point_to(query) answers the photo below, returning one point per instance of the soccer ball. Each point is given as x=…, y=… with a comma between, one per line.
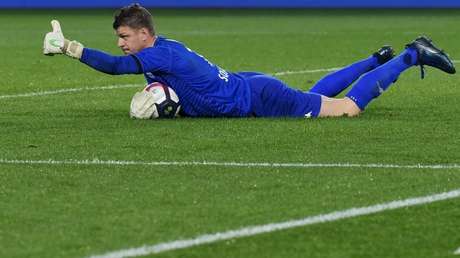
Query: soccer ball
x=155, y=101
x=166, y=100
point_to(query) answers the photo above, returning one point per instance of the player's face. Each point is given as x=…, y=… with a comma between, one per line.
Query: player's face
x=131, y=41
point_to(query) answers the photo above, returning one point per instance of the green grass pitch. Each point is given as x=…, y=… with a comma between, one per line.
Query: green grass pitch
x=81, y=210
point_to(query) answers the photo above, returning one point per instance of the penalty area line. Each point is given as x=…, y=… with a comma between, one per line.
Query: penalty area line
x=272, y=227
x=225, y=164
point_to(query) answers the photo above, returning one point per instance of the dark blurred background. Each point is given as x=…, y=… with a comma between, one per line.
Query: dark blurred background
x=234, y=4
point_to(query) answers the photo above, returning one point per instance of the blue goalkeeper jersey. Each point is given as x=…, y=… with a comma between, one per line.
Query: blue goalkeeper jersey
x=204, y=89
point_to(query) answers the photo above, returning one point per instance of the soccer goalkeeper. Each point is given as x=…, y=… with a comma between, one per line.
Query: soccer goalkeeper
x=205, y=89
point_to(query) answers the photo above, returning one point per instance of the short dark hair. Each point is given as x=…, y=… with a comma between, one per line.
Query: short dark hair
x=134, y=16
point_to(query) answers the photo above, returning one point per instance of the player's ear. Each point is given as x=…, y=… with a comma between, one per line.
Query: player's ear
x=144, y=33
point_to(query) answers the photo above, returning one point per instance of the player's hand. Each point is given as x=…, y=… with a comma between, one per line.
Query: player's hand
x=54, y=41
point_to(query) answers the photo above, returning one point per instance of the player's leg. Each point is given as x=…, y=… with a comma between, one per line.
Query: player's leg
x=374, y=83
x=334, y=83
x=371, y=85
x=336, y=107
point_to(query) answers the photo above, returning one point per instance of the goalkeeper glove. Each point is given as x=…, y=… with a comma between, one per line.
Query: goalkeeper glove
x=55, y=43
x=143, y=106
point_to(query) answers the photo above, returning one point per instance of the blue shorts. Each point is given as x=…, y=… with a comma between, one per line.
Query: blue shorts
x=271, y=97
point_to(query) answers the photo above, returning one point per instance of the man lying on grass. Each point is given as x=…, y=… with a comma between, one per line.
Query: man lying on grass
x=207, y=90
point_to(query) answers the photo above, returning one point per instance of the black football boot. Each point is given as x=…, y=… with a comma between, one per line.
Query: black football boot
x=429, y=54
x=384, y=54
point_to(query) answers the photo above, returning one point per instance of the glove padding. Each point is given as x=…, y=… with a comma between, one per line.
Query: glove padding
x=143, y=106
x=55, y=43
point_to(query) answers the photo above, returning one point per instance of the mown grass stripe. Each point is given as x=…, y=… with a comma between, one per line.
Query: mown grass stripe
x=260, y=229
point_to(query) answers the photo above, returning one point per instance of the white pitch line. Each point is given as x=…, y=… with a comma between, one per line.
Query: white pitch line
x=52, y=92
x=225, y=164
x=320, y=70
x=307, y=71
x=260, y=229
x=111, y=87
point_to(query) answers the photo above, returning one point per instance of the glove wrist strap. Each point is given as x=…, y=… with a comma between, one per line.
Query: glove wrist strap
x=73, y=48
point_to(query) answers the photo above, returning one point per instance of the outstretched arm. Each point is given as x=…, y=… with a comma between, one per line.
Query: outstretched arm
x=55, y=43
x=106, y=63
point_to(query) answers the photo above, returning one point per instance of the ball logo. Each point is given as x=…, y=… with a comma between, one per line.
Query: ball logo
x=168, y=110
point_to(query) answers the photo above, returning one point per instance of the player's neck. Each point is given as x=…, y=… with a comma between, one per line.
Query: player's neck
x=151, y=41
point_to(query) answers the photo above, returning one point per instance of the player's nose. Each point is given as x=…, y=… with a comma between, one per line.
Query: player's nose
x=121, y=42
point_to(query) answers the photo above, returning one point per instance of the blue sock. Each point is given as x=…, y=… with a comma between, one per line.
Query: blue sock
x=373, y=83
x=334, y=83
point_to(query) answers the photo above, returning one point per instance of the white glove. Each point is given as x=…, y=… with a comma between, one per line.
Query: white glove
x=143, y=106
x=55, y=43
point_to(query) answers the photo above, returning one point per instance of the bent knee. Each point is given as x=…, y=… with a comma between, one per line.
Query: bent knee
x=331, y=107
x=350, y=108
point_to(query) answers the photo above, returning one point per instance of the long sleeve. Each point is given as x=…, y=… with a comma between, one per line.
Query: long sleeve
x=109, y=64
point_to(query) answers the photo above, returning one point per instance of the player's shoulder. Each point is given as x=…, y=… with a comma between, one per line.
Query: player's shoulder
x=167, y=41
x=163, y=44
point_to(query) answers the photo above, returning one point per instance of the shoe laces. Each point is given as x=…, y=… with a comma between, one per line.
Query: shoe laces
x=422, y=71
